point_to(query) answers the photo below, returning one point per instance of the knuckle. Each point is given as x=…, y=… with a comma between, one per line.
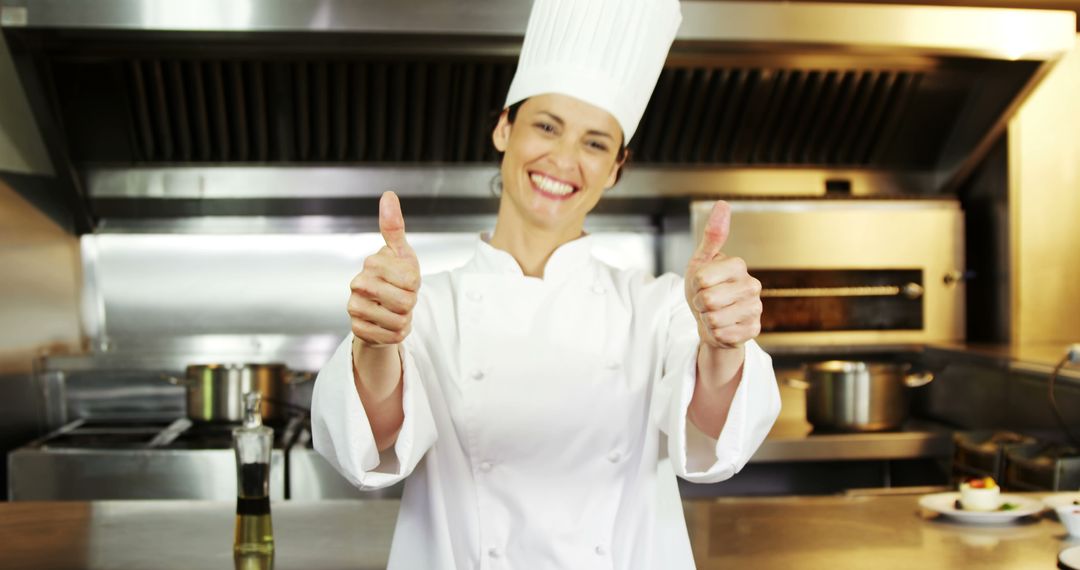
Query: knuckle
x=755, y=328
x=755, y=285
x=713, y=319
x=739, y=264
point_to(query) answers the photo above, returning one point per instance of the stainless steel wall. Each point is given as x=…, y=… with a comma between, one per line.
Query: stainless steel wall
x=290, y=278
x=38, y=312
x=1044, y=204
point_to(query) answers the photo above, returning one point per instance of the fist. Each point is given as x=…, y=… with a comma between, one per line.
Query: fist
x=384, y=293
x=725, y=299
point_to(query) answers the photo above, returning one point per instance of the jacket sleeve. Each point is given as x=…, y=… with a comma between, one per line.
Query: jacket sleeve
x=695, y=456
x=342, y=434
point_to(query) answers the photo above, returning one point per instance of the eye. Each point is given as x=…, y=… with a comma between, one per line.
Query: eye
x=598, y=146
x=545, y=127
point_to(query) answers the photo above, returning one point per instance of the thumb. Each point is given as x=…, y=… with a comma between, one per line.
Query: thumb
x=392, y=224
x=716, y=231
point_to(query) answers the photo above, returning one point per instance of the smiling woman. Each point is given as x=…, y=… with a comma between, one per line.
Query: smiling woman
x=540, y=402
x=559, y=156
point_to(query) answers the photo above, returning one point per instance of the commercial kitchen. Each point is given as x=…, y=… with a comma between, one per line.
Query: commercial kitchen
x=187, y=188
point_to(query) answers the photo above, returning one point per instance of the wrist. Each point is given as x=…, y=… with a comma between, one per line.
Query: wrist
x=722, y=365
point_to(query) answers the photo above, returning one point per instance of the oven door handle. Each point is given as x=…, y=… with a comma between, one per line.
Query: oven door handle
x=909, y=290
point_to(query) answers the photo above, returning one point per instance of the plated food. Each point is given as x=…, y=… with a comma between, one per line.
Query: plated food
x=980, y=501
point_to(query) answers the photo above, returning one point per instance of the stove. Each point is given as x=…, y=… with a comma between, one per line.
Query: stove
x=1017, y=462
x=140, y=459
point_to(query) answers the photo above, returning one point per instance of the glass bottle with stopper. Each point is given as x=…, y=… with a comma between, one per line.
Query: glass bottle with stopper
x=253, y=443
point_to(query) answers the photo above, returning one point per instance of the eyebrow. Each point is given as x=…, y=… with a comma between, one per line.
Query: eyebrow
x=559, y=120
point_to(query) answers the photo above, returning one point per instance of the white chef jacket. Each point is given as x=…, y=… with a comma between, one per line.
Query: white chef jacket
x=545, y=419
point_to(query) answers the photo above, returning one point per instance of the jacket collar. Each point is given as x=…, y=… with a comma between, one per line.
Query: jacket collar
x=567, y=260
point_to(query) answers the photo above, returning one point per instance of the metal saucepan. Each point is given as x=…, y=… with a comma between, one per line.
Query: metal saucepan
x=858, y=396
x=215, y=392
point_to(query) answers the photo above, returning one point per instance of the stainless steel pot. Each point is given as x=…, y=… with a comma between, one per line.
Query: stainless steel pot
x=215, y=392
x=858, y=396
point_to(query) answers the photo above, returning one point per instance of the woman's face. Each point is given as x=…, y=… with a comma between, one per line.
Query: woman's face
x=560, y=154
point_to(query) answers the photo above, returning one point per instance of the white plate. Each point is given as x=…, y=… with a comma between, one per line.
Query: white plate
x=1060, y=500
x=1069, y=558
x=945, y=503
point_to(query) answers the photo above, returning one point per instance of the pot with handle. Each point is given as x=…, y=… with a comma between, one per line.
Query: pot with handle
x=215, y=392
x=856, y=396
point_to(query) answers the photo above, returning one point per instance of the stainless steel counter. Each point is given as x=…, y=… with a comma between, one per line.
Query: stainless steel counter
x=837, y=533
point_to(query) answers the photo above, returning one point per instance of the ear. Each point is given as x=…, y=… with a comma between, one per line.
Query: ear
x=501, y=135
x=613, y=177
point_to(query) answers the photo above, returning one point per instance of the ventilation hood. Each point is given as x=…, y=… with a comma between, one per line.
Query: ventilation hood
x=165, y=108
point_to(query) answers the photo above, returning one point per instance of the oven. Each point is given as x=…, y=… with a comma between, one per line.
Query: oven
x=851, y=273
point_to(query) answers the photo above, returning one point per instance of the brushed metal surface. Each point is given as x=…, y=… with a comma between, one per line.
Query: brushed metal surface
x=839, y=532
x=451, y=181
x=987, y=32
x=262, y=285
x=79, y=475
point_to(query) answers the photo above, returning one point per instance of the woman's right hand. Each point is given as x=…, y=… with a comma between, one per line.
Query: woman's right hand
x=384, y=293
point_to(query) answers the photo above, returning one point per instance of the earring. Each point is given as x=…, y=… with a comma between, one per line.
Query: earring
x=496, y=185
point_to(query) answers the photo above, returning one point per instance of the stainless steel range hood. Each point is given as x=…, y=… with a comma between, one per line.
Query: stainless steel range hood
x=300, y=106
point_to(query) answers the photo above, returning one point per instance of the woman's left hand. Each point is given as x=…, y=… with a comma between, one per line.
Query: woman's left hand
x=725, y=299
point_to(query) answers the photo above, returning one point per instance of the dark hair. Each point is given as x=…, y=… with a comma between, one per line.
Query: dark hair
x=511, y=116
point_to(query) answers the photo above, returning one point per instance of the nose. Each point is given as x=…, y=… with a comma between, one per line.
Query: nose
x=564, y=154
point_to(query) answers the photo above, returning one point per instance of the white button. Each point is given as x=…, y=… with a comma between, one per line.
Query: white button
x=493, y=552
x=614, y=456
x=477, y=374
x=598, y=289
x=474, y=295
x=600, y=550
x=613, y=365
x=485, y=466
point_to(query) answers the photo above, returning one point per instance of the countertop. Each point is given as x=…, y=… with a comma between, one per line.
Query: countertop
x=835, y=533
x=1037, y=359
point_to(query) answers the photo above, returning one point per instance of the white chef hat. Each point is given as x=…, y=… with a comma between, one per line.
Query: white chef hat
x=608, y=53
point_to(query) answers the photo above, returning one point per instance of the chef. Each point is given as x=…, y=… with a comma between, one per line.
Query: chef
x=540, y=402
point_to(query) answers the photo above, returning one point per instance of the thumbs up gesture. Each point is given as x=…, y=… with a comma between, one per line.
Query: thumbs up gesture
x=725, y=299
x=384, y=293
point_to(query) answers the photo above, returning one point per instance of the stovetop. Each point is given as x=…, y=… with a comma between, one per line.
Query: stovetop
x=149, y=434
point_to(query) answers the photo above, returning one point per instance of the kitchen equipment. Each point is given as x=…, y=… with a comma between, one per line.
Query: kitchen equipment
x=106, y=459
x=858, y=396
x=1042, y=466
x=981, y=453
x=109, y=459
x=215, y=391
x=901, y=282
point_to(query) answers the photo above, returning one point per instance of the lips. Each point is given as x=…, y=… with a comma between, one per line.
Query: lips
x=552, y=188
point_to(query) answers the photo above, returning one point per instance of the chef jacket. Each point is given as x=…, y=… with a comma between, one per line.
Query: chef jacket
x=545, y=419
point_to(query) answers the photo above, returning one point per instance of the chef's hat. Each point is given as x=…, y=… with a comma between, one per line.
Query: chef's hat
x=608, y=53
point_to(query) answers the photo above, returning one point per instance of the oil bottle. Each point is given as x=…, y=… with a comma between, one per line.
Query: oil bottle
x=253, y=442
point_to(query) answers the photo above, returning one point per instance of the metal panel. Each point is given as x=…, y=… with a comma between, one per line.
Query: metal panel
x=261, y=183
x=220, y=286
x=71, y=475
x=988, y=32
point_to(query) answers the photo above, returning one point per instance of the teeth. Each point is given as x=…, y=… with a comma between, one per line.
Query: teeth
x=553, y=186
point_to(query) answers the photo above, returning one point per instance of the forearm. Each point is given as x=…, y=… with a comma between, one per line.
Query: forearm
x=377, y=375
x=719, y=371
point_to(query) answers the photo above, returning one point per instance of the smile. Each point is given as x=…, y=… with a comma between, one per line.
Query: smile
x=550, y=187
